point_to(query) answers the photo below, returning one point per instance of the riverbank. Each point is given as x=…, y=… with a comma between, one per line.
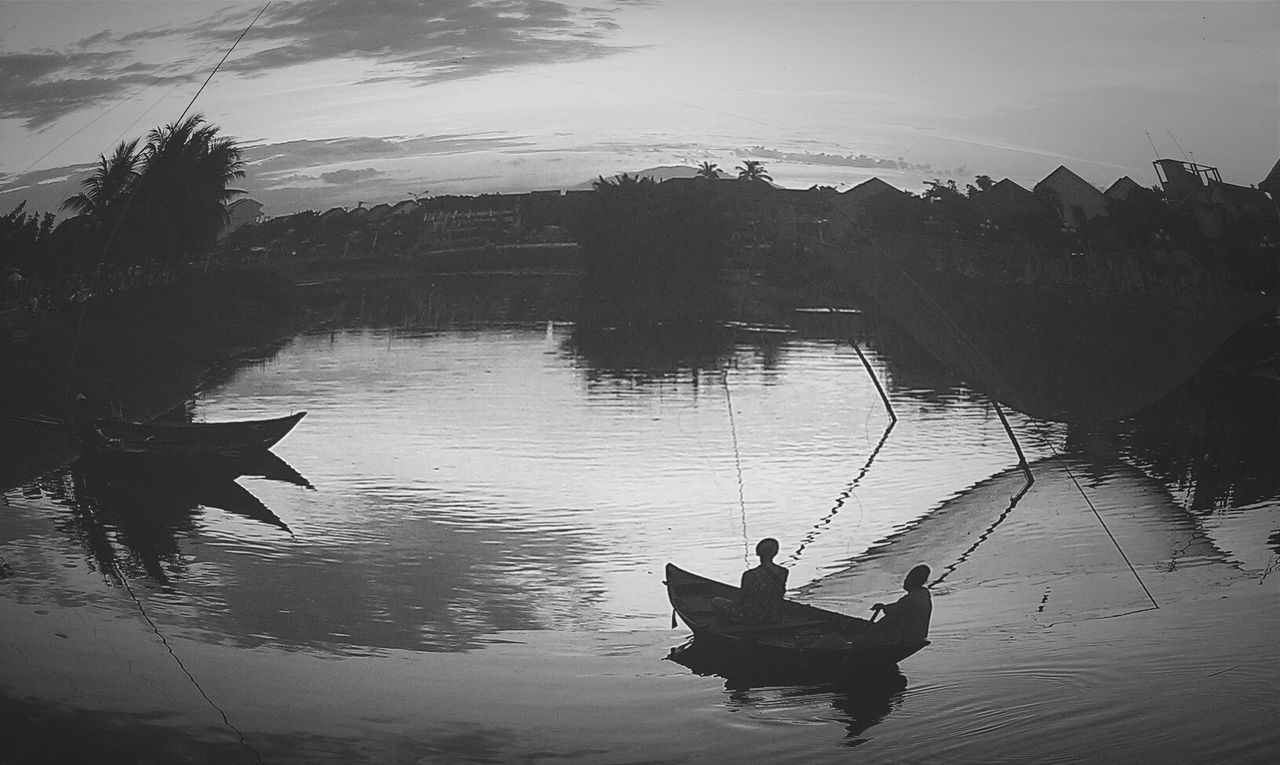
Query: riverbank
x=144, y=350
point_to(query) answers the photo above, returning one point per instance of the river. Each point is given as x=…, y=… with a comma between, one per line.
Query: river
x=459, y=558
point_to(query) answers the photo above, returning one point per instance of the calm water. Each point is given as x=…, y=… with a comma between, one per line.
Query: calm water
x=459, y=558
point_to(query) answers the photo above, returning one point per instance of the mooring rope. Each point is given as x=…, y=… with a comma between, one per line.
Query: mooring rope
x=118, y=575
x=124, y=582
x=737, y=463
x=115, y=567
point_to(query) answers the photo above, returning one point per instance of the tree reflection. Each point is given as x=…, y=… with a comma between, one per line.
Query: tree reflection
x=1215, y=438
x=677, y=351
x=145, y=507
x=645, y=354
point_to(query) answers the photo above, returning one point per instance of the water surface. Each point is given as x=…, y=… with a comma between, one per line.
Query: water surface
x=461, y=557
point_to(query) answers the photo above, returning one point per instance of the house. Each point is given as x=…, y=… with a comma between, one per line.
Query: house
x=406, y=207
x=378, y=212
x=1271, y=185
x=333, y=214
x=1007, y=201
x=1121, y=189
x=1076, y=200
x=855, y=203
x=241, y=212
x=1216, y=207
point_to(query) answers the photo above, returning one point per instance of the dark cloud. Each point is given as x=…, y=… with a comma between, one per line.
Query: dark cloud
x=427, y=41
x=416, y=41
x=41, y=86
x=105, y=36
x=349, y=176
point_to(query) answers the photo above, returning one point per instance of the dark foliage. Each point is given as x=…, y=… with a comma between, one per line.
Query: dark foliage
x=1143, y=217
x=654, y=253
x=24, y=238
x=161, y=203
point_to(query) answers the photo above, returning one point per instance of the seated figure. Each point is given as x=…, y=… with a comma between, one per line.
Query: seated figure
x=763, y=590
x=906, y=621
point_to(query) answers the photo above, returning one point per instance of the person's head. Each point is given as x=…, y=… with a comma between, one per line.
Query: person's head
x=916, y=577
x=767, y=548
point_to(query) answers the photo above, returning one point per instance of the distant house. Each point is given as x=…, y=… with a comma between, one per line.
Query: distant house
x=377, y=213
x=1121, y=189
x=1007, y=201
x=406, y=207
x=1216, y=207
x=856, y=202
x=241, y=212
x=1271, y=186
x=1076, y=200
x=333, y=214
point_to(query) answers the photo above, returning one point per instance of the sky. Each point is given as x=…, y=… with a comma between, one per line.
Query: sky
x=337, y=103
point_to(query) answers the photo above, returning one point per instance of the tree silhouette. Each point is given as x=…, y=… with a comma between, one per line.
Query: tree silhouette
x=183, y=187
x=163, y=202
x=709, y=171
x=753, y=170
x=100, y=232
x=105, y=190
x=623, y=182
x=654, y=253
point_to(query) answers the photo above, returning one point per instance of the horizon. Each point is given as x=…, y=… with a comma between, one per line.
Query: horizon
x=334, y=107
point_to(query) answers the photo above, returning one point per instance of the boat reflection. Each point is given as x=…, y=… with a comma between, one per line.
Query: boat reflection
x=862, y=700
x=145, y=506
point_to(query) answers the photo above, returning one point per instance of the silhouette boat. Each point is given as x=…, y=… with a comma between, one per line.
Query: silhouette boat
x=805, y=638
x=193, y=439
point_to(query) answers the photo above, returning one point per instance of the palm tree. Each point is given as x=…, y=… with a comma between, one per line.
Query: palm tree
x=623, y=182
x=184, y=185
x=104, y=192
x=709, y=170
x=99, y=230
x=753, y=170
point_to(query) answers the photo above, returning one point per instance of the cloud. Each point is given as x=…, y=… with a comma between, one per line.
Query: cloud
x=427, y=41
x=288, y=159
x=413, y=41
x=39, y=87
x=349, y=176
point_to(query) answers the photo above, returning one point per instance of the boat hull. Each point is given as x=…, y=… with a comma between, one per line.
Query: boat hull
x=185, y=440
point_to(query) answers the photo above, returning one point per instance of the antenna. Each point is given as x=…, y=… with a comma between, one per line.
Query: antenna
x=1154, y=150
x=1175, y=143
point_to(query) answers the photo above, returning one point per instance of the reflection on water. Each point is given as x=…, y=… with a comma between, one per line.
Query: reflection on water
x=144, y=506
x=482, y=514
x=860, y=701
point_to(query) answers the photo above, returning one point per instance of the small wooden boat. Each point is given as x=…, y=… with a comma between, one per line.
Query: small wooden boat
x=194, y=439
x=806, y=637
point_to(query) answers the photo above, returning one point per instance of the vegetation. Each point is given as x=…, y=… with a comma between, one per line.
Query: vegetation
x=709, y=170
x=25, y=239
x=753, y=170
x=161, y=203
x=654, y=253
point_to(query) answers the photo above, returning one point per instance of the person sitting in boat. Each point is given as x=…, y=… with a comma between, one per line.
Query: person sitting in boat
x=906, y=621
x=763, y=590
